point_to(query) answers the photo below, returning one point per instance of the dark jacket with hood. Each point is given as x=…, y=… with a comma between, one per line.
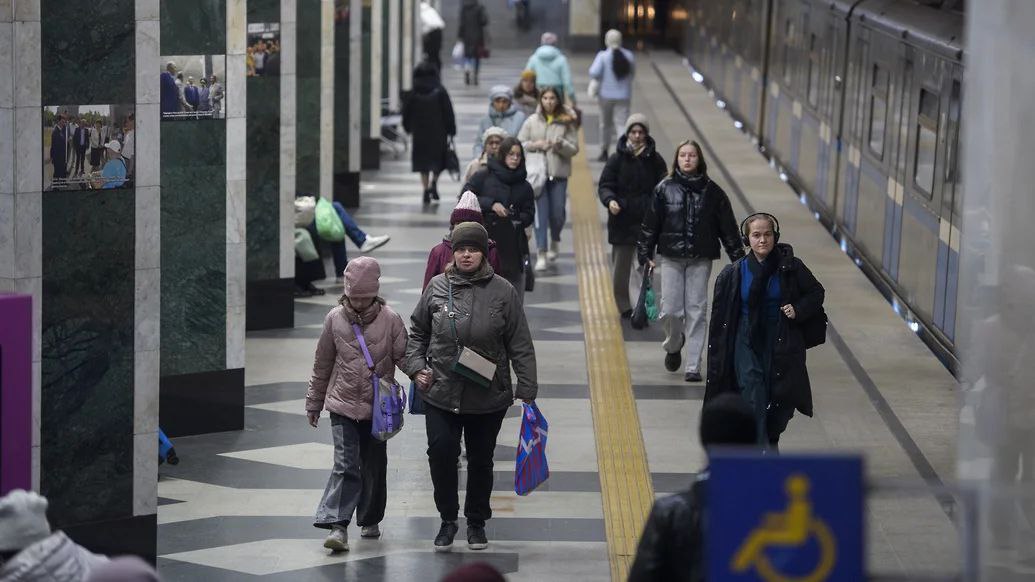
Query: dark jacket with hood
x=428, y=117
x=490, y=321
x=629, y=180
x=498, y=183
x=687, y=218
x=473, y=20
x=789, y=380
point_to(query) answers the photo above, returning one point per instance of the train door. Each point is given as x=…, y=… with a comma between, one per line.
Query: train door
x=808, y=109
x=856, y=105
x=831, y=107
x=951, y=217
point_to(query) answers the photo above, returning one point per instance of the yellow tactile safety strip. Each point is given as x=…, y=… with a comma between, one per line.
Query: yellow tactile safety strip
x=625, y=485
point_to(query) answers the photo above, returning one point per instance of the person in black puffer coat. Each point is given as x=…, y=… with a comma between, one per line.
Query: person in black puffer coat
x=508, y=205
x=689, y=217
x=428, y=116
x=756, y=344
x=625, y=187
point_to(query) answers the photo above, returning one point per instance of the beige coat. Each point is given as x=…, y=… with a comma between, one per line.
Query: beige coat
x=341, y=381
x=558, y=159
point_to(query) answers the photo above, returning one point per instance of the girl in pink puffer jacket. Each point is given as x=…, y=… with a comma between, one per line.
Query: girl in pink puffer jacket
x=342, y=384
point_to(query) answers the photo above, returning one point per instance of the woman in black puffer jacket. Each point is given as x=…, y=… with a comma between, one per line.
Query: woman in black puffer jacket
x=689, y=217
x=508, y=205
x=625, y=188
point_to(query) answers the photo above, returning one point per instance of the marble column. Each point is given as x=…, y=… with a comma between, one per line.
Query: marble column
x=995, y=331
x=288, y=122
x=410, y=19
x=584, y=25
x=346, y=101
x=203, y=191
x=270, y=296
x=372, y=57
x=395, y=70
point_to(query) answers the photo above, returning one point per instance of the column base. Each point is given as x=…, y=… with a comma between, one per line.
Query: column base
x=346, y=189
x=137, y=535
x=271, y=304
x=370, y=158
x=201, y=403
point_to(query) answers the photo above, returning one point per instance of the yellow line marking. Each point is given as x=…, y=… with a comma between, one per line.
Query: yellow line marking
x=625, y=485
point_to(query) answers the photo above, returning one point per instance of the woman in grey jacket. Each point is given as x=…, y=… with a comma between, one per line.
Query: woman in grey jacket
x=468, y=307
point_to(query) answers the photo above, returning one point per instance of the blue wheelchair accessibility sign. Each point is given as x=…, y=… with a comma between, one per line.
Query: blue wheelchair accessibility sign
x=785, y=518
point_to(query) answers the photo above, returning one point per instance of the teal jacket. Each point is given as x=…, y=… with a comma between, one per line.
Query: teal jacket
x=552, y=70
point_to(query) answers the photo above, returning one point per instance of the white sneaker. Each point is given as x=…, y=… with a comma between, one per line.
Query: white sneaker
x=540, y=262
x=337, y=540
x=374, y=242
x=551, y=255
x=370, y=531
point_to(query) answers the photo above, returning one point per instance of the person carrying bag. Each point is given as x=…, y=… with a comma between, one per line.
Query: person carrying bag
x=363, y=340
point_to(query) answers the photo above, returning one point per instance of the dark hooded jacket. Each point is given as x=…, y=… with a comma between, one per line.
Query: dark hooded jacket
x=789, y=381
x=498, y=183
x=687, y=218
x=490, y=321
x=428, y=117
x=629, y=180
x=473, y=20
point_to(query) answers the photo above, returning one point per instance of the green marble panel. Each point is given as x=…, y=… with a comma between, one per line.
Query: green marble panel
x=88, y=52
x=263, y=144
x=193, y=247
x=342, y=80
x=307, y=95
x=86, y=431
x=385, y=44
x=263, y=10
x=364, y=118
x=193, y=27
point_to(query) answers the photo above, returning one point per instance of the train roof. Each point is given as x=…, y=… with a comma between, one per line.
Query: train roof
x=932, y=29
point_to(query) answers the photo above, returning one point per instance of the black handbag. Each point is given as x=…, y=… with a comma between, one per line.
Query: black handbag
x=640, y=319
x=450, y=161
x=814, y=329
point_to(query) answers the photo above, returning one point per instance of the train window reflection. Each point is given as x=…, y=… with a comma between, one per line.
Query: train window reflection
x=926, y=141
x=788, y=39
x=952, y=157
x=878, y=109
x=812, y=92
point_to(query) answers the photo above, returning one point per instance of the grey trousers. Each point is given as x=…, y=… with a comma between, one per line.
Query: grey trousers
x=621, y=262
x=357, y=483
x=684, y=306
x=613, y=115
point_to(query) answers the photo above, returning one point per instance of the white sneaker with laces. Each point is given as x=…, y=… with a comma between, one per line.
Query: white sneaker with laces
x=540, y=263
x=337, y=540
x=370, y=531
x=374, y=242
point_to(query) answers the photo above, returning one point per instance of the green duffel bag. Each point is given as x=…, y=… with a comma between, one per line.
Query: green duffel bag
x=304, y=246
x=328, y=223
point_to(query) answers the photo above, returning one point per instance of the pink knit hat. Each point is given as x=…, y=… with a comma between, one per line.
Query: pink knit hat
x=467, y=210
x=361, y=278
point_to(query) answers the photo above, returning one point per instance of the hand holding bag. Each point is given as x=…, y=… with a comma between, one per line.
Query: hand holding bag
x=641, y=313
x=415, y=402
x=458, y=54
x=469, y=363
x=531, y=469
x=389, y=400
x=450, y=161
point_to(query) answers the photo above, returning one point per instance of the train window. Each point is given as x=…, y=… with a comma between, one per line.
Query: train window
x=812, y=91
x=878, y=109
x=926, y=141
x=952, y=156
x=788, y=40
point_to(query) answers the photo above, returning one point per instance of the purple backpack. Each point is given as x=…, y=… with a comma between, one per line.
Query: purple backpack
x=389, y=400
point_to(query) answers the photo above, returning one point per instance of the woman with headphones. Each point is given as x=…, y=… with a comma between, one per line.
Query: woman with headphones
x=762, y=307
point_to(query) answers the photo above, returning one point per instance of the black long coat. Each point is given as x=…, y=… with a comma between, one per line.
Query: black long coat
x=473, y=21
x=498, y=183
x=428, y=117
x=789, y=379
x=629, y=180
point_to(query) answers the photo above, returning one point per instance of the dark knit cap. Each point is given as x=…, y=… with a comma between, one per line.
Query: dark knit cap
x=470, y=234
x=727, y=420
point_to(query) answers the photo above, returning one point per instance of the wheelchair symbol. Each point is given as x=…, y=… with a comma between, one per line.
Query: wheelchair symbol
x=791, y=528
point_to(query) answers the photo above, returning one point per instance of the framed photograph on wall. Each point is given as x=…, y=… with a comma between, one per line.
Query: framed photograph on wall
x=263, y=56
x=88, y=147
x=193, y=87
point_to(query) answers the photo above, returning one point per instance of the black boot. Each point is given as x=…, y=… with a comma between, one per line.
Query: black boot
x=603, y=155
x=427, y=195
x=434, y=191
x=467, y=77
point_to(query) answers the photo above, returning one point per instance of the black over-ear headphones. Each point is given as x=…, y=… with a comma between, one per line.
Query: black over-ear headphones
x=744, y=226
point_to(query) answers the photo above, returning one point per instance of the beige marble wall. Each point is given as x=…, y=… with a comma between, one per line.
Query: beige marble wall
x=584, y=17
x=326, y=99
x=355, y=89
x=394, y=50
x=236, y=177
x=377, y=15
x=410, y=10
x=288, y=104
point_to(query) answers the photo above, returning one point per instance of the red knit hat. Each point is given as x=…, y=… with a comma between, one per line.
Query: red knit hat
x=467, y=210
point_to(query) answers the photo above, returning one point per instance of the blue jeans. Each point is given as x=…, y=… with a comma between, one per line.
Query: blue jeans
x=353, y=232
x=550, y=211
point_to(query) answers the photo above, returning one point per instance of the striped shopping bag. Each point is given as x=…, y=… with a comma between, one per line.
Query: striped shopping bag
x=531, y=469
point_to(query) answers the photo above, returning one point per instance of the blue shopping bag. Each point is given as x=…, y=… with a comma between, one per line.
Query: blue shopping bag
x=531, y=469
x=166, y=452
x=416, y=403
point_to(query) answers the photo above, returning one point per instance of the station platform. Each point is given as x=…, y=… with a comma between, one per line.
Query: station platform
x=239, y=504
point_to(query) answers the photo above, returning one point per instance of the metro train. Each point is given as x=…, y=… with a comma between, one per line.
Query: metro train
x=858, y=103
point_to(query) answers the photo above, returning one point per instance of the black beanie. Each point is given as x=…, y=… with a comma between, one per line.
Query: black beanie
x=727, y=420
x=470, y=234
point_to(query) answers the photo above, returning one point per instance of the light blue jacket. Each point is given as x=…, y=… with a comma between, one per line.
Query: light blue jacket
x=510, y=121
x=551, y=70
x=611, y=87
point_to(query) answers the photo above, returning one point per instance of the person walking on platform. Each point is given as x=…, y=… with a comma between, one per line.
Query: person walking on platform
x=466, y=333
x=551, y=68
x=502, y=113
x=553, y=131
x=625, y=188
x=431, y=26
x=441, y=256
x=342, y=383
x=428, y=117
x=508, y=205
x=687, y=219
x=756, y=346
x=491, y=139
x=526, y=94
x=473, y=20
x=613, y=69
x=672, y=546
